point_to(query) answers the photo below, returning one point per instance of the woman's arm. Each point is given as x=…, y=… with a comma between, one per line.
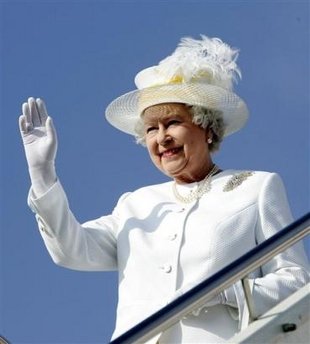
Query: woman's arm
x=283, y=274
x=289, y=270
x=91, y=246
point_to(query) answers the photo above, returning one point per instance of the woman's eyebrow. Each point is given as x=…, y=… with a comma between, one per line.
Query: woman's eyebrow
x=155, y=119
x=149, y=122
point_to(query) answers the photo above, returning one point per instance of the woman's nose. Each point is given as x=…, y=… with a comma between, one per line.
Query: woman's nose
x=163, y=136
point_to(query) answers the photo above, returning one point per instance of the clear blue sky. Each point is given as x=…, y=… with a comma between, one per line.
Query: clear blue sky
x=78, y=56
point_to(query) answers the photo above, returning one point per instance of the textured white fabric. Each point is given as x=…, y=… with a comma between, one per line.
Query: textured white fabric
x=160, y=246
x=125, y=111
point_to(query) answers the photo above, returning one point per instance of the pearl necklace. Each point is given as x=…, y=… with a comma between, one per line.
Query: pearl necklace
x=205, y=186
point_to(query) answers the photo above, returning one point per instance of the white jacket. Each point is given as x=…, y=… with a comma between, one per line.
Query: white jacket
x=160, y=246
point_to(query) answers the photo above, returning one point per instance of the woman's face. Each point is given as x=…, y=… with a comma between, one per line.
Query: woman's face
x=176, y=145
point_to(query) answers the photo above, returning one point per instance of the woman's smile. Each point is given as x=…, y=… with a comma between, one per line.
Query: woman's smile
x=171, y=153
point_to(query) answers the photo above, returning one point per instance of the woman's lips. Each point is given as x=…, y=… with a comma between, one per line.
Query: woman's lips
x=170, y=152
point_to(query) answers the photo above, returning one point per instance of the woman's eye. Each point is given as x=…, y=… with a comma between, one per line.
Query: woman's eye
x=174, y=121
x=150, y=129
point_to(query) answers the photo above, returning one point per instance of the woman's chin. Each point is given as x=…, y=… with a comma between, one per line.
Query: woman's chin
x=179, y=175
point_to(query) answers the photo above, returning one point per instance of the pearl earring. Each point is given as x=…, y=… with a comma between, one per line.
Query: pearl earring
x=209, y=140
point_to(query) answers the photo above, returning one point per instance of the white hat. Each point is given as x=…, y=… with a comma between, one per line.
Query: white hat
x=199, y=72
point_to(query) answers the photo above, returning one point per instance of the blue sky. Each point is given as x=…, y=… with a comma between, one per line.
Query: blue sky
x=80, y=55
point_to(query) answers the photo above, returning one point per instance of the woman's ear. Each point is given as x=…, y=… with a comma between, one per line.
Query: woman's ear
x=209, y=136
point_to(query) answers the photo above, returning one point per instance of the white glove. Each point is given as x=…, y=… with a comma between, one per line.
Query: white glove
x=40, y=143
x=218, y=299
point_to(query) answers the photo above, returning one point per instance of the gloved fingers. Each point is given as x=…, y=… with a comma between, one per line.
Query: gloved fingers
x=28, y=125
x=22, y=125
x=34, y=113
x=41, y=110
x=50, y=130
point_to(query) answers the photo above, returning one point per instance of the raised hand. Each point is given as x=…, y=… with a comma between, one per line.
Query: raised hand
x=40, y=143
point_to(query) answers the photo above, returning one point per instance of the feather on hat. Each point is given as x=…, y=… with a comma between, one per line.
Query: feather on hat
x=199, y=72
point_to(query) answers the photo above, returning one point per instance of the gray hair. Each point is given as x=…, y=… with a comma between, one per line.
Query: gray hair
x=204, y=118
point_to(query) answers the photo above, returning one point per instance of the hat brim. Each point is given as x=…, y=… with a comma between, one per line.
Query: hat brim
x=125, y=111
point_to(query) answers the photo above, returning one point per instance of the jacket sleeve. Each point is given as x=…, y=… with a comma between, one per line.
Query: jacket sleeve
x=286, y=272
x=90, y=246
x=289, y=270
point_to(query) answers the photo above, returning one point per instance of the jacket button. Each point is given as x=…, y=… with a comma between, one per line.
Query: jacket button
x=166, y=268
x=42, y=226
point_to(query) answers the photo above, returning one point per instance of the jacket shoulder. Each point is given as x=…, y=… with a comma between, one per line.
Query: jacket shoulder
x=251, y=180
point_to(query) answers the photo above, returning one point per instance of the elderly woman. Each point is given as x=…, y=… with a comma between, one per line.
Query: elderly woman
x=163, y=239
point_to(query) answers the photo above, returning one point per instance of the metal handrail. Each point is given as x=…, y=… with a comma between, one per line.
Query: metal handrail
x=235, y=271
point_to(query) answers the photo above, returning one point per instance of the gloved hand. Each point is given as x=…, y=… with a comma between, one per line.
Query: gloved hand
x=40, y=143
x=218, y=299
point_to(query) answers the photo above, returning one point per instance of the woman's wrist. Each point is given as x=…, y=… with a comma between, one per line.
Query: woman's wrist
x=42, y=178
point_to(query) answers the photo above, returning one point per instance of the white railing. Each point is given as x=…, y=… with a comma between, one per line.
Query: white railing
x=237, y=270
